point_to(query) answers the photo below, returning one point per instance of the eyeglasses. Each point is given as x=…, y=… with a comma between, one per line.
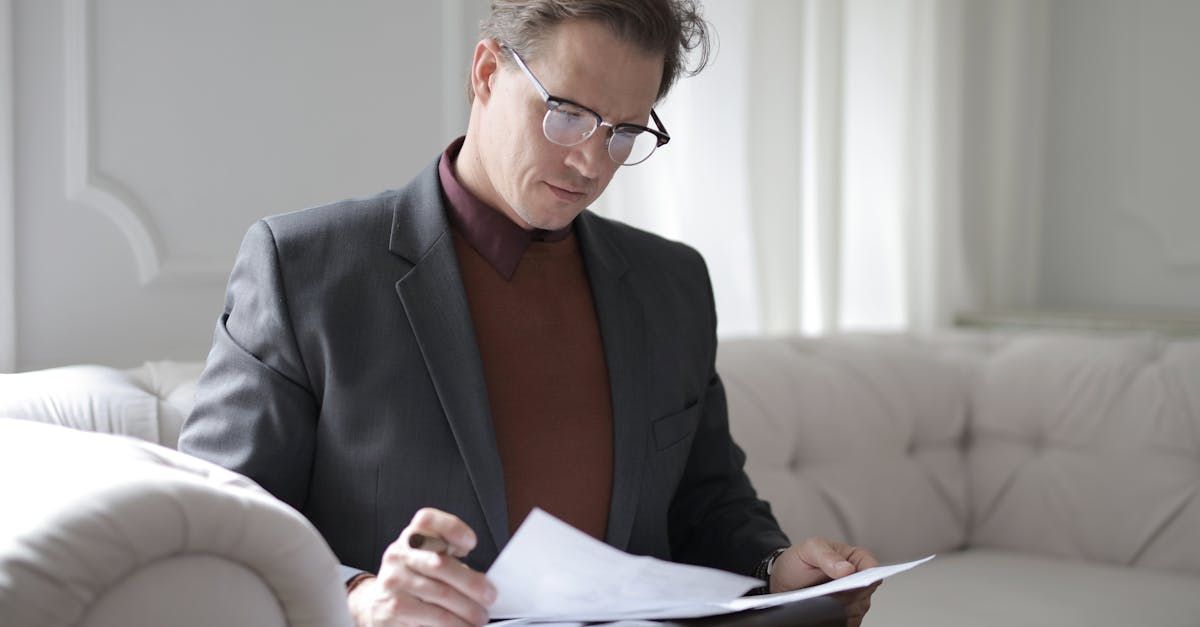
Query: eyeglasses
x=569, y=123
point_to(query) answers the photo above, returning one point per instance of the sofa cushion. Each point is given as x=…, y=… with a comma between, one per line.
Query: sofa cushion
x=856, y=438
x=990, y=588
x=1089, y=447
x=89, y=398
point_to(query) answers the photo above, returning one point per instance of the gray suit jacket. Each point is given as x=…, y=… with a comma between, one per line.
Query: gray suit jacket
x=344, y=378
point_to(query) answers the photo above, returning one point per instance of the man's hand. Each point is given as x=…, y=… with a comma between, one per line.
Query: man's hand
x=420, y=587
x=817, y=561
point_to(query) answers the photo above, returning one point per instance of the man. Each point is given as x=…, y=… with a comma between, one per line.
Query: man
x=440, y=359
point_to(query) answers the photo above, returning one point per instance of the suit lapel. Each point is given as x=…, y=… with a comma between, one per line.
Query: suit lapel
x=436, y=303
x=434, y=299
x=622, y=331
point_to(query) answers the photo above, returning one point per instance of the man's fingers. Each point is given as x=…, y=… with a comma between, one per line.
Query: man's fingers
x=836, y=559
x=822, y=554
x=861, y=558
x=817, y=560
x=427, y=585
x=406, y=582
x=857, y=598
x=412, y=610
x=380, y=601
x=446, y=527
x=856, y=603
x=469, y=583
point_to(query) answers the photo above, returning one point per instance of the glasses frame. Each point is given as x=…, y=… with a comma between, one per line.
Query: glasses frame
x=551, y=101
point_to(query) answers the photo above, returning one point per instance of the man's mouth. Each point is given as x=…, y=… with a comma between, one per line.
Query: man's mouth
x=565, y=194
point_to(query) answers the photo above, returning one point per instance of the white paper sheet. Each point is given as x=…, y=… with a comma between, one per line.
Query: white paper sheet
x=554, y=622
x=861, y=579
x=552, y=572
x=550, y=569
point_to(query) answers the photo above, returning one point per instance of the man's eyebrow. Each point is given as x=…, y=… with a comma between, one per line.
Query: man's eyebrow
x=643, y=118
x=615, y=120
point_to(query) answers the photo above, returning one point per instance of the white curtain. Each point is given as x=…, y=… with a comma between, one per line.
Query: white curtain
x=697, y=188
x=815, y=165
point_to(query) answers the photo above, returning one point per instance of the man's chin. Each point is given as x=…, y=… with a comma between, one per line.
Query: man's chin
x=554, y=220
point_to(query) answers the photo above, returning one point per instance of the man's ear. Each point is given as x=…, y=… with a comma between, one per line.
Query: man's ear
x=484, y=67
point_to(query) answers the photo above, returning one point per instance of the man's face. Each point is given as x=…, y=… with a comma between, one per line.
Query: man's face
x=545, y=184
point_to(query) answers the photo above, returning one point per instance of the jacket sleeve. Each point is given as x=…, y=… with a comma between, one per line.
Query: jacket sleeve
x=255, y=410
x=716, y=518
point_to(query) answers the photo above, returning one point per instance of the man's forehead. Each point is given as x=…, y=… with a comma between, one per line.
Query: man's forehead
x=587, y=63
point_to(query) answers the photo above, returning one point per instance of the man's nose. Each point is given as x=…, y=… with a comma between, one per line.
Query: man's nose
x=590, y=157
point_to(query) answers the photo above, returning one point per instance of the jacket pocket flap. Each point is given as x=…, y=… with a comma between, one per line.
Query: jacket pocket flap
x=674, y=427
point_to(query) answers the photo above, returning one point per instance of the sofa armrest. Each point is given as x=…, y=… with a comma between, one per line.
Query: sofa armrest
x=88, y=515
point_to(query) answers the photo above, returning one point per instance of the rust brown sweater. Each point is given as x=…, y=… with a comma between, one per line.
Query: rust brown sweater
x=543, y=360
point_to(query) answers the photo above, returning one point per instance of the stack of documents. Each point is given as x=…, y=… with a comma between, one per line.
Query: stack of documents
x=552, y=572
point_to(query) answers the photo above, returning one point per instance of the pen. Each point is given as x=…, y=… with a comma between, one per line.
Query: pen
x=428, y=543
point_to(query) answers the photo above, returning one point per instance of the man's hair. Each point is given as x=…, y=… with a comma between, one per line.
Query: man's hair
x=673, y=28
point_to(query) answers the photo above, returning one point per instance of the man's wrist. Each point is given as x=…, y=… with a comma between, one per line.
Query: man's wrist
x=764, y=569
x=356, y=580
x=359, y=598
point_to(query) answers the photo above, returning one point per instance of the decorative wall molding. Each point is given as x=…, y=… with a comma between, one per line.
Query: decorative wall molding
x=8, y=214
x=86, y=187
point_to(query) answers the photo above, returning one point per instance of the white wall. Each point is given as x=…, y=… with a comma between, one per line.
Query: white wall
x=8, y=238
x=1121, y=221
x=1081, y=155
x=149, y=134
x=146, y=135
x=1003, y=103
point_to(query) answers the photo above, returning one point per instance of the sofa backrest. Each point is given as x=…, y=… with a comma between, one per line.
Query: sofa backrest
x=149, y=402
x=83, y=397
x=1078, y=446
x=1089, y=447
x=173, y=385
x=856, y=438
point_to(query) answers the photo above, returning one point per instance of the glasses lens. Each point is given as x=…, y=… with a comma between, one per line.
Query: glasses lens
x=630, y=147
x=566, y=124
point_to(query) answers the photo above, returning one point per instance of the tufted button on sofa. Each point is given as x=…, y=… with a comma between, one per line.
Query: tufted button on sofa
x=1057, y=476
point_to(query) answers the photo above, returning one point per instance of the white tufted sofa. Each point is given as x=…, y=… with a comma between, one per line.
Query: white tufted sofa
x=105, y=531
x=1057, y=476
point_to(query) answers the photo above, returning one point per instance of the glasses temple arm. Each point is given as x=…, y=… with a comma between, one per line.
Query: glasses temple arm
x=659, y=124
x=524, y=68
